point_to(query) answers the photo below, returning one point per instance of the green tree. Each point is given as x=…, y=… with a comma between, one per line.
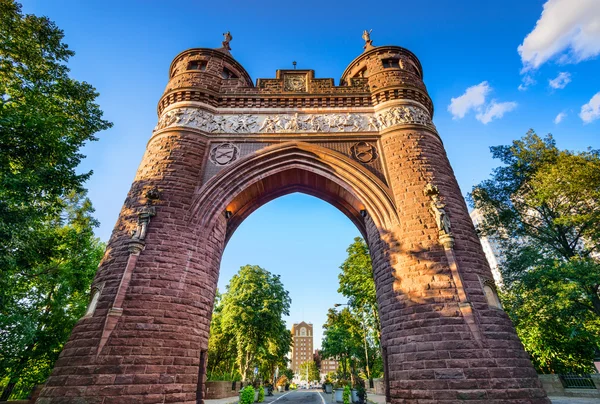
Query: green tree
x=542, y=206
x=342, y=340
x=45, y=119
x=222, y=350
x=357, y=283
x=309, y=368
x=48, y=254
x=47, y=296
x=253, y=310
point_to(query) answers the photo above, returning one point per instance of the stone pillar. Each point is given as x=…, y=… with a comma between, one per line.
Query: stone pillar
x=145, y=338
x=442, y=339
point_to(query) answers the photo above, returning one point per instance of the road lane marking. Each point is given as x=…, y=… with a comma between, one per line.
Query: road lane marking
x=280, y=397
x=322, y=399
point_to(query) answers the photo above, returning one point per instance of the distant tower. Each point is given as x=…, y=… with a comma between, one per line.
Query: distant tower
x=302, y=348
x=491, y=248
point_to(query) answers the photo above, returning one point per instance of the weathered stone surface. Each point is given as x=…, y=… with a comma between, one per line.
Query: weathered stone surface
x=212, y=166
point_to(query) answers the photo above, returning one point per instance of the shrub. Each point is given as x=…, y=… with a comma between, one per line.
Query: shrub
x=346, y=395
x=261, y=394
x=218, y=376
x=247, y=395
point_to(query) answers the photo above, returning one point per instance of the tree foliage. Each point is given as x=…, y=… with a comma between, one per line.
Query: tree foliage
x=310, y=369
x=357, y=284
x=49, y=293
x=542, y=207
x=248, y=321
x=344, y=341
x=48, y=253
x=45, y=118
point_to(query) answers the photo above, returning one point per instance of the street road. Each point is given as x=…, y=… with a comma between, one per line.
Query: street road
x=300, y=396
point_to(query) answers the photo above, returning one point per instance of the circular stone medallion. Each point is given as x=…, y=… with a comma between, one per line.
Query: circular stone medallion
x=224, y=153
x=364, y=152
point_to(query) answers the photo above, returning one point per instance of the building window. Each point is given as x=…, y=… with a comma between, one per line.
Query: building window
x=228, y=74
x=93, y=303
x=491, y=297
x=387, y=63
x=196, y=65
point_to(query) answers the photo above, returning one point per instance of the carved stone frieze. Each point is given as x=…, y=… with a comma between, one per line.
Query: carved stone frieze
x=291, y=123
x=398, y=116
x=275, y=123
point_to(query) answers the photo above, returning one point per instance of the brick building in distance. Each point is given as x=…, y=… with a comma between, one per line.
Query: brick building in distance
x=327, y=366
x=302, y=347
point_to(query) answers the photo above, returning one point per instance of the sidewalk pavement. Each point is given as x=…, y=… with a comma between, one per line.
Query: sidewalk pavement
x=230, y=400
x=375, y=398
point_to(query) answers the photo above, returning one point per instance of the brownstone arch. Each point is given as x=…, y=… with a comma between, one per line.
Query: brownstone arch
x=222, y=148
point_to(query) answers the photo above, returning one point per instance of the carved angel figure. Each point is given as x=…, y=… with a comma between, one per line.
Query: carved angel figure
x=367, y=37
x=226, y=39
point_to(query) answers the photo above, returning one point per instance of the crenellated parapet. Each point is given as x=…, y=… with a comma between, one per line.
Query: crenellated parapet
x=213, y=77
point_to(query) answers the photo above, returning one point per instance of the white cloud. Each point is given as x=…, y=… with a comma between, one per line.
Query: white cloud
x=568, y=29
x=526, y=82
x=591, y=111
x=473, y=98
x=559, y=118
x=495, y=110
x=560, y=81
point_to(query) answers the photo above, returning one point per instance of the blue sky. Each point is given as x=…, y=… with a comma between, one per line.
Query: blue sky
x=475, y=55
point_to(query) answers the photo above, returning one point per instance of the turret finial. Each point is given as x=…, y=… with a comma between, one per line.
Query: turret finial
x=368, y=41
x=226, y=39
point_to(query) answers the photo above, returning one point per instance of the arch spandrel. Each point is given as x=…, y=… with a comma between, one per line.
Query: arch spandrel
x=294, y=167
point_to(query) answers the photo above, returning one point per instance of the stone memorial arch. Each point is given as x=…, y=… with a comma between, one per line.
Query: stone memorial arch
x=222, y=148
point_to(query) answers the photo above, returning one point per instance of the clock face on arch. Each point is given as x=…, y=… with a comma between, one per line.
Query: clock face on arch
x=224, y=154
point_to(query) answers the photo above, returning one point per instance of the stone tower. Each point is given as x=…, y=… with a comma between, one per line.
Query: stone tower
x=224, y=147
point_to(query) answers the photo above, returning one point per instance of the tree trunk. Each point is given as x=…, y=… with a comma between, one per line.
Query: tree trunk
x=8, y=390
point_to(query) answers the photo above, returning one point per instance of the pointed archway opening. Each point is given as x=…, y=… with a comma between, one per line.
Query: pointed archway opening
x=303, y=239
